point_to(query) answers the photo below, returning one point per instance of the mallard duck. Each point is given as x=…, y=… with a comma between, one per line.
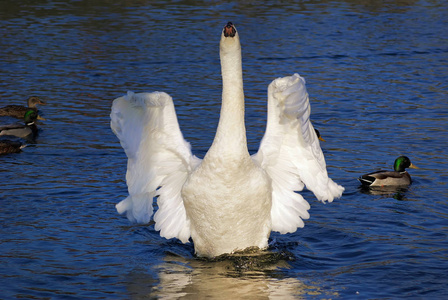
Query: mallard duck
x=398, y=177
x=229, y=200
x=8, y=146
x=18, y=111
x=22, y=130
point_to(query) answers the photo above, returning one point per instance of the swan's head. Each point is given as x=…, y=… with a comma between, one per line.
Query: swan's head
x=230, y=40
x=229, y=30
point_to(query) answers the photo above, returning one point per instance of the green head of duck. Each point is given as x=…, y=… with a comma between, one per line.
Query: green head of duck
x=402, y=163
x=30, y=117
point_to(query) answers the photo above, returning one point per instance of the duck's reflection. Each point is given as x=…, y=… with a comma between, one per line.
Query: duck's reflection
x=245, y=276
x=396, y=192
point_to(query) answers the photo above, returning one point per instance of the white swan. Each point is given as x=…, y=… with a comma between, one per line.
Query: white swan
x=229, y=200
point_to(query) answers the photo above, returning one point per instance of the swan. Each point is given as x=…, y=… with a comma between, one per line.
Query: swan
x=229, y=200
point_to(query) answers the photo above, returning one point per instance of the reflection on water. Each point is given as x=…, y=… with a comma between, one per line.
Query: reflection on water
x=238, y=277
x=396, y=192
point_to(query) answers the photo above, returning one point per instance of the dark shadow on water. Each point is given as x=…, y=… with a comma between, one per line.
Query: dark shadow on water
x=252, y=260
x=396, y=192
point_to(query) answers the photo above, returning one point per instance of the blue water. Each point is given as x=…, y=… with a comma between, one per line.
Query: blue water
x=376, y=73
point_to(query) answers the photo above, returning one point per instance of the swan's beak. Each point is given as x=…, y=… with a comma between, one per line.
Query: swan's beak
x=412, y=166
x=229, y=30
x=322, y=139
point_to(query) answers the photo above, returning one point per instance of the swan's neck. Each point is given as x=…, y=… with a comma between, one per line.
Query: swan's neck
x=231, y=133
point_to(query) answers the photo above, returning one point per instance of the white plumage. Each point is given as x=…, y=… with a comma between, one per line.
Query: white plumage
x=229, y=200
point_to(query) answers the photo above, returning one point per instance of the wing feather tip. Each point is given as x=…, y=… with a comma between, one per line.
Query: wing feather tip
x=289, y=228
x=123, y=205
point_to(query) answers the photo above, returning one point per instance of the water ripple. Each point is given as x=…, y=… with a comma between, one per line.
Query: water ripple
x=377, y=84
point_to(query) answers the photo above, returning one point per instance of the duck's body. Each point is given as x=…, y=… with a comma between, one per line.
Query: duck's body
x=398, y=177
x=8, y=146
x=385, y=178
x=27, y=129
x=230, y=200
x=18, y=111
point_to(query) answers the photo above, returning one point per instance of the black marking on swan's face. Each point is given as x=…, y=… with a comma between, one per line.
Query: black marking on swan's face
x=229, y=30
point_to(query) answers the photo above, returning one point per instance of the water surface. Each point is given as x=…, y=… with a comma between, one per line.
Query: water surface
x=377, y=77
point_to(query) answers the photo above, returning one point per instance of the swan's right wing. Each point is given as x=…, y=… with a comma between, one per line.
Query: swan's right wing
x=159, y=161
x=291, y=155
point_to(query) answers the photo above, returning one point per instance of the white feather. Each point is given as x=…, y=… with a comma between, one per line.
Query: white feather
x=158, y=156
x=290, y=153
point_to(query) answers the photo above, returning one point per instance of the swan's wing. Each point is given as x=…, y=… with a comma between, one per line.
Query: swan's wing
x=290, y=153
x=159, y=161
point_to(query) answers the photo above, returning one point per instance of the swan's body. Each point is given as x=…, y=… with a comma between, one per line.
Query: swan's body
x=229, y=200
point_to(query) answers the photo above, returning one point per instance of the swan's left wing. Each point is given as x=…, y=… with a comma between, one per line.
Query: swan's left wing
x=291, y=155
x=159, y=161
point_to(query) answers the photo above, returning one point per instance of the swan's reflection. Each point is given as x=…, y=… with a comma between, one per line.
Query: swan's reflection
x=256, y=276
